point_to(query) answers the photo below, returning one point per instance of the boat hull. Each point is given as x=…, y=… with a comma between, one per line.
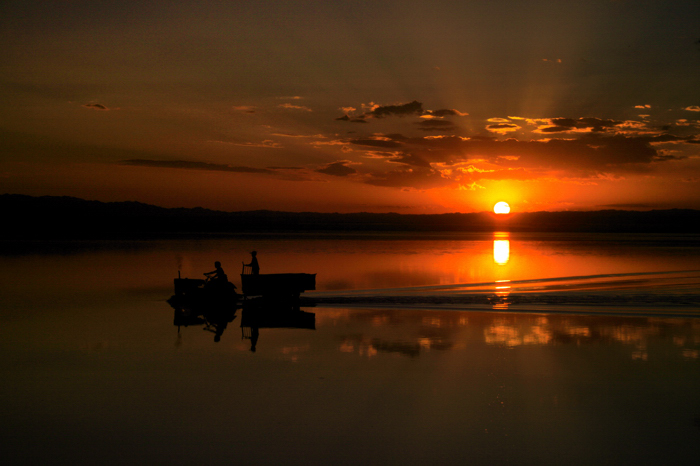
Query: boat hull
x=277, y=284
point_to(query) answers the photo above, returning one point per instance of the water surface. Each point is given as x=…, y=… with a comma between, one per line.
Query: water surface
x=95, y=371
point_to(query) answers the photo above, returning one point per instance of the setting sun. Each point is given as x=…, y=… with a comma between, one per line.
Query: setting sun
x=501, y=208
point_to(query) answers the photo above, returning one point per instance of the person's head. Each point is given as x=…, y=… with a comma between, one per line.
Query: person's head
x=217, y=264
x=254, y=253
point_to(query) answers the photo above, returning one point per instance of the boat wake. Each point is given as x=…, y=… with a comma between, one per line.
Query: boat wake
x=667, y=293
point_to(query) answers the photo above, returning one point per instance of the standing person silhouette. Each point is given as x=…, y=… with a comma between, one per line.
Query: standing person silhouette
x=254, y=267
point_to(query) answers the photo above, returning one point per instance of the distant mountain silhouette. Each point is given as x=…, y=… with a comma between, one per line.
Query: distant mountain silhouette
x=68, y=217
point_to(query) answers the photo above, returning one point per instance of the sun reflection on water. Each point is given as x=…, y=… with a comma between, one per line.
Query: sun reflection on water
x=501, y=251
x=501, y=256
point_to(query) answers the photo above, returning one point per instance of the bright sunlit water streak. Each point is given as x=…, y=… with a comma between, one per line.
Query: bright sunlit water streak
x=644, y=280
x=501, y=251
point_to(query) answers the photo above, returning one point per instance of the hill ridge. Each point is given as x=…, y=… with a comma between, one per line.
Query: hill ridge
x=67, y=217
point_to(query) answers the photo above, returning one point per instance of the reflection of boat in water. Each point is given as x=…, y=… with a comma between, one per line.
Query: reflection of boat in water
x=196, y=294
x=270, y=301
x=261, y=313
x=214, y=320
x=204, y=302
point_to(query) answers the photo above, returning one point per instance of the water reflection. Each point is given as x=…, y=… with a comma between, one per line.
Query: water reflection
x=501, y=256
x=259, y=314
x=214, y=320
x=87, y=345
x=501, y=250
x=210, y=303
x=415, y=333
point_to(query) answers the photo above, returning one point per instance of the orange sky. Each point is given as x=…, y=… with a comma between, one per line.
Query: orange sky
x=409, y=106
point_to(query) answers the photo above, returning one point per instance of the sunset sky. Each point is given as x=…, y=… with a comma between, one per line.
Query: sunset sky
x=404, y=106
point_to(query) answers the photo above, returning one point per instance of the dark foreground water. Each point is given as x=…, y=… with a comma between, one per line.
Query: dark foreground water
x=447, y=349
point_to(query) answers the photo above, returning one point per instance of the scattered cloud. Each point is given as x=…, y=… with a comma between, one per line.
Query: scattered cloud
x=268, y=144
x=470, y=187
x=502, y=128
x=300, y=136
x=385, y=143
x=416, y=178
x=192, y=165
x=436, y=125
x=411, y=108
x=244, y=108
x=447, y=112
x=339, y=168
x=465, y=160
x=560, y=125
x=289, y=106
x=382, y=155
x=329, y=142
x=693, y=108
x=94, y=106
x=360, y=119
x=583, y=151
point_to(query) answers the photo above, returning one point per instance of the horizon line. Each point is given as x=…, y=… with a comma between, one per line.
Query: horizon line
x=487, y=212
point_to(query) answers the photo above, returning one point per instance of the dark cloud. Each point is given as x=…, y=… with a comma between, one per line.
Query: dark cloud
x=412, y=159
x=554, y=129
x=502, y=126
x=376, y=143
x=593, y=148
x=95, y=106
x=509, y=174
x=665, y=137
x=397, y=137
x=360, y=119
x=436, y=125
x=244, y=108
x=568, y=124
x=190, y=165
x=666, y=157
x=446, y=112
x=411, y=108
x=587, y=155
x=419, y=178
x=337, y=169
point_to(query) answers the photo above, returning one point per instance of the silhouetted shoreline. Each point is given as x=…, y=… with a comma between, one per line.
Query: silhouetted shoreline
x=29, y=217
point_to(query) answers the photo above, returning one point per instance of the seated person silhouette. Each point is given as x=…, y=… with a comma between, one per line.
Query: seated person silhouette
x=254, y=267
x=218, y=275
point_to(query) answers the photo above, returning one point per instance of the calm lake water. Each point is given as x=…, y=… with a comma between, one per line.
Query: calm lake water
x=470, y=349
